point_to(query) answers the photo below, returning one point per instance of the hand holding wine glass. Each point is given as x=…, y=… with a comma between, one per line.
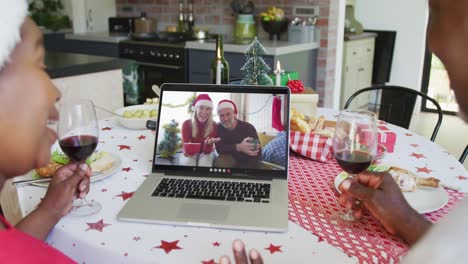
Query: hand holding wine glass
x=78, y=137
x=355, y=144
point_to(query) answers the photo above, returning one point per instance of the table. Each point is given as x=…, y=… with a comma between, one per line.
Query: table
x=312, y=237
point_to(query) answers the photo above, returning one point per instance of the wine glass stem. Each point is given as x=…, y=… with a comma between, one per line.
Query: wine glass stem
x=349, y=215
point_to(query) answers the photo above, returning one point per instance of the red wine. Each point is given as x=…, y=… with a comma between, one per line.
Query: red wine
x=79, y=148
x=353, y=162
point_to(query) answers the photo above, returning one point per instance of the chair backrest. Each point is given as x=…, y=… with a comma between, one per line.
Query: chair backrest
x=464, y=154
x=395, y=104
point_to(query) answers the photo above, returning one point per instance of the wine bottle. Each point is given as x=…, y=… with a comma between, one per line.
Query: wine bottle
x=190, y=22
x=181, y=20
x=219, y=66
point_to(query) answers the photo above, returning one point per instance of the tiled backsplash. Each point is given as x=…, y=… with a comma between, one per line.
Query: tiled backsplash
x=217, y=15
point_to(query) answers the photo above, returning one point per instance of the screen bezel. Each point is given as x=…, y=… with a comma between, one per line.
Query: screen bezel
x=236, y=172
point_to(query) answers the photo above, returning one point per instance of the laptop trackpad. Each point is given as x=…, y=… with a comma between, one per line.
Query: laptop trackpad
x=195, y=211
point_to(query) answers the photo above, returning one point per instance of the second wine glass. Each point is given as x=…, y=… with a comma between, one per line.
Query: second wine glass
x=78, y=134
x=355, y=144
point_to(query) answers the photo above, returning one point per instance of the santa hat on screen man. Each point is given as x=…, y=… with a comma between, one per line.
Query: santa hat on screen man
x=227, y=104
x=12, y=15
x=202, y=100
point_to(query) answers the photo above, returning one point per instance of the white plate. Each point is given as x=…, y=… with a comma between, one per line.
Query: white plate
x=423, y=200
x=115, y=167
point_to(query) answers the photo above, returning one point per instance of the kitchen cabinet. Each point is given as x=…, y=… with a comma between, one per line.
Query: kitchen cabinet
x=58, y=42
x=358, y=57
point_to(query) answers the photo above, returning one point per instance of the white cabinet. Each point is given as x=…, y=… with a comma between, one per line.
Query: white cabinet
x=358, y=57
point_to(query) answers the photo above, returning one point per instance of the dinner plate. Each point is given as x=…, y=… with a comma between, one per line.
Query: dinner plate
x=115, y=167
x=423, y=200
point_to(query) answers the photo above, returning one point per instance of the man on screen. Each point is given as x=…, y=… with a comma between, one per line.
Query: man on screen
x=239, y=145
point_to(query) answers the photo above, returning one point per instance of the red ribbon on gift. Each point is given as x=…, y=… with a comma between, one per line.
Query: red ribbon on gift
x=296, y=86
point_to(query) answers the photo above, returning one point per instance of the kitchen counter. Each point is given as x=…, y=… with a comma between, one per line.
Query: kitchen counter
x=272, y=47
x=63, y=64
x=98, y=37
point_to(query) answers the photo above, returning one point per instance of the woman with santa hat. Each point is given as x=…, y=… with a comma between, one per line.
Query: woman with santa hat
x=199, y=134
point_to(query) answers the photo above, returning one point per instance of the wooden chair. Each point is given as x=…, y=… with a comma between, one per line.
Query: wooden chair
x=393, y=104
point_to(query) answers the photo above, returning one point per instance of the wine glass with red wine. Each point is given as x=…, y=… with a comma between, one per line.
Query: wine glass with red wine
x=78, y=134
x=355, y=144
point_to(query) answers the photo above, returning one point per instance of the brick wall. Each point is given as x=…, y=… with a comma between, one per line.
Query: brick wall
x=217, y=13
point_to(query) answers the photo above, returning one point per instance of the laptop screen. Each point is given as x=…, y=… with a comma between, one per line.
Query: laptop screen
x=223, y=130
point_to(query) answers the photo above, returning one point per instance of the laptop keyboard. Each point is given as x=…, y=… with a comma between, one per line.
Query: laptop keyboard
x=214, y=190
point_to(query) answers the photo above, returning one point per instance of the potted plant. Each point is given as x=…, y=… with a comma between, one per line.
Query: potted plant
x=49, y=14
x=245, y=30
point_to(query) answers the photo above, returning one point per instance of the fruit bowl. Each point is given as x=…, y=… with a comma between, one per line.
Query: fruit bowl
x=275, y=27
x=135, y=116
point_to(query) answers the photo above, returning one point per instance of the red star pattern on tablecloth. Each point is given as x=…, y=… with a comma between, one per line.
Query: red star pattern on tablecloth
x=211, y=261
x=125, y=195
x=462, y=178
x=408, y=134
x=141, y=137
x=106, y=128
x=272, y=248
x=104, y=190
x=137, y=238
x=99, y=225
x=127, y=169
x=216, y=244
x=424, y=169
x=168, y=246
x=417, y=155
x=122, y=147
x=414, y=145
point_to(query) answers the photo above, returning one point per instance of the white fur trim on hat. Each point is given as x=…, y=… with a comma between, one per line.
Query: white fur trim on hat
x=12, y=15
x=206, y=103
x=226, y=104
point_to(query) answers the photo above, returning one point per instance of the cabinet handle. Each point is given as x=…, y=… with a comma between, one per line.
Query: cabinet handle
x=360, y=69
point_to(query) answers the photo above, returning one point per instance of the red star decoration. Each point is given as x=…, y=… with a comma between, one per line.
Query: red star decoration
x=462, y=178
x=126, y=254
x=125, y=195
x=424, y=169
x=99, y=225
x=103, y=190
x=414, y=145
x=272, y=248
x=141, y=137
x=122, y=147
x=211, y=261
x=135, y=160
x=418, y=156
x=168, y=246
x=137, y=238
x=216, y=244
x=106, y=128
x=408, y=134
x=127, y=169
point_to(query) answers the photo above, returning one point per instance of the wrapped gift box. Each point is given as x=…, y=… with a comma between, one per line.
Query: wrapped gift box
x=387, y=138
x=305, y=102
x=293, y=75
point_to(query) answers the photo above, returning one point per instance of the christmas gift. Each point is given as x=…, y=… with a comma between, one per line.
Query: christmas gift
x=387, y=138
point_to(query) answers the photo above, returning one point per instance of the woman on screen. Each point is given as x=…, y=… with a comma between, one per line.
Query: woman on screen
x=199, y=134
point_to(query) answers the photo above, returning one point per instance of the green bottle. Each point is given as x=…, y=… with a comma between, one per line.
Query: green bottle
x=219, y=65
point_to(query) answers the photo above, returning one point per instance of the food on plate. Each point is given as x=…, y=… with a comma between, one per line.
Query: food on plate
x=140, y=113
x=317, y=125
x=408, y=181
x=99, y=162
x=152, y=101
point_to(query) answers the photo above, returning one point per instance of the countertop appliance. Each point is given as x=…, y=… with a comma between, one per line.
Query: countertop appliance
x=161, y=59
x=121, y=25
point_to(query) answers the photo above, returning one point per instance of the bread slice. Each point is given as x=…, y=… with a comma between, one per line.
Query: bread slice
x=408, y=181
x=102, y=161
x=49, y=170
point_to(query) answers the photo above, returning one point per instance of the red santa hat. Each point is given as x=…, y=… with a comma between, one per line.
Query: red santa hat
x=227, y=104
x=202, y=100
x=12, y=15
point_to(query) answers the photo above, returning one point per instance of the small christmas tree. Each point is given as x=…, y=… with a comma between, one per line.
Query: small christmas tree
x=255, y=68
x=171, y=141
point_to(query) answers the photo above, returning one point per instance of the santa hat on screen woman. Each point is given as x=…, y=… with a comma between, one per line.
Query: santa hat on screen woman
x=227, y=104
x=202, y=100
x=12, y=15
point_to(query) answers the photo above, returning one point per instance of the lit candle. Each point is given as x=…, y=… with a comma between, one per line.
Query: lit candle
x=278, y=73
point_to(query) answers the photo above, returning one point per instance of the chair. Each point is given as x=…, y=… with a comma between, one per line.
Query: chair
x=394, y=104
x=464, y=154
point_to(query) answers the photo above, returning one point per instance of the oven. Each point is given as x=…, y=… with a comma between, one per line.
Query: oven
x=158, y=63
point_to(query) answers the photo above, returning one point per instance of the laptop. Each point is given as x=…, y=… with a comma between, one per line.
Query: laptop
x=219, y=186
